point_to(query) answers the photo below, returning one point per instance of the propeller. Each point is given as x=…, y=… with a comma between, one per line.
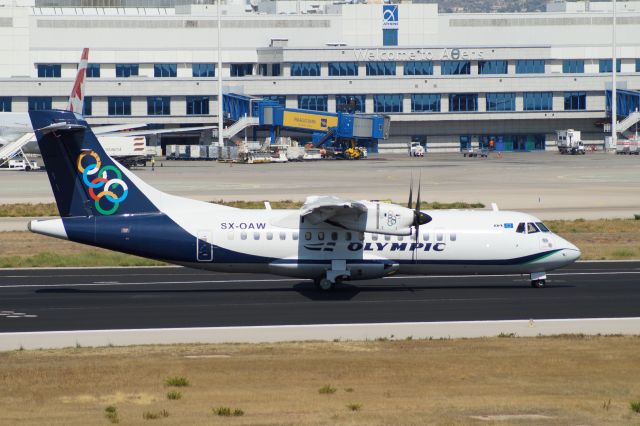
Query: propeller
x=419, y=218
x=410, y=204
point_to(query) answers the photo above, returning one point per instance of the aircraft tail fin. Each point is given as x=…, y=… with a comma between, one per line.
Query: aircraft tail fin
x=84, y=179
x=76, y=99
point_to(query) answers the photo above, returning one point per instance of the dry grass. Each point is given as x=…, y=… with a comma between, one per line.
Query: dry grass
x=28, y=210
x=569, y=379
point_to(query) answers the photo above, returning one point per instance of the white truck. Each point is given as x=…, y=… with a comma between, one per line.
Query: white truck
x=416, y=150
x=570, y=142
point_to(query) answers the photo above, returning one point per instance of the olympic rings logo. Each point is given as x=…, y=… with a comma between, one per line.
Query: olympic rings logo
x=108, y=180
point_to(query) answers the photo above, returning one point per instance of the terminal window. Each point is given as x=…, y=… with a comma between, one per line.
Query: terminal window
x=93, y=70
x=463, y=102
x=126, y=70
x=5, y=104
x=387, y=103
x=538, y=101
x=281, y=99
x=637, y=65
x=165, y=70
x=573, y=66
x=390, y=37
x=381, y=68
x=418, y=68
x=350, y=103
x=530, y=66
x=49, y=70
x=575, y=101
x=39, y=103
x=425, y=103
x=158, y=105
x=305, y=69
x=119, y=105
x=313, y=102
x=501, y=101
x=241, y=70
x=455, y=67
x=343, y=68
x=203, y=70
x=87, y=106
x=197, y=105
x=605, y=65
x=492, y=67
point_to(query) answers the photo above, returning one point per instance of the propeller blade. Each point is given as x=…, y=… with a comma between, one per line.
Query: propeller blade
x=416, y=220
x=410, y=204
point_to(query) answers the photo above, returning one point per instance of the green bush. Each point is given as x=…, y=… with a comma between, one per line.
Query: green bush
x=327, y=389
x=177, y=381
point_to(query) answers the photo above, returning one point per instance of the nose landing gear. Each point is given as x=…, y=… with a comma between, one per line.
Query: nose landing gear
x=538, y=279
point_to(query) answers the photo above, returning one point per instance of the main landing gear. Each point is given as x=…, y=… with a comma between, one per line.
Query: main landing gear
x=333, y=276
x=538, y=279
x=324, y=284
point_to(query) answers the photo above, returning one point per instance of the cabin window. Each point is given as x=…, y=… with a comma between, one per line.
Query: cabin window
x=321, y=236
x=307, y=236
x=256, y=235
x=453, y=237
x=387, y=237
x=295, y=236
x=269, y=235
x=520, y=228
x=334, y=236
x=531, y=228
x=347, y=236
x=541, y=226
x=361, y=236
x=230, y=235
x=425, y=236
x=283, y=235
x=243, y=235
x=374, y=237
x=400, y=238
x=439, y=236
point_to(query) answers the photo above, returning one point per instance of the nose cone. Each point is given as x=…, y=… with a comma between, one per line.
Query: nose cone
x=570, y=252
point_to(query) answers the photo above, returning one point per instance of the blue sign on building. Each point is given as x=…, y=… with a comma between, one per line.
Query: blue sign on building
x=390, y=16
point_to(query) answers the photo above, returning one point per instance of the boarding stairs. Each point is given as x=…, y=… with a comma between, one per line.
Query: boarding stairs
x=14, y=148
x=239, y=126
x=631, y=119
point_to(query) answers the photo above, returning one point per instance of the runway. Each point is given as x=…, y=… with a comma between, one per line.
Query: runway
x=124, y=298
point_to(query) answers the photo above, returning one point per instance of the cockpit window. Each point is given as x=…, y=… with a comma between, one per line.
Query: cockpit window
x=531, y=228
x=542, y=227
x=520, y=228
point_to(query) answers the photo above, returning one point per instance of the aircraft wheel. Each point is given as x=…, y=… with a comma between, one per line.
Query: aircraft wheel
x=323, y=284
x=538, y=283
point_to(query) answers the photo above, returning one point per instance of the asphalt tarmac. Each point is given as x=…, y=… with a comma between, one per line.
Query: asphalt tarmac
x=131, y=298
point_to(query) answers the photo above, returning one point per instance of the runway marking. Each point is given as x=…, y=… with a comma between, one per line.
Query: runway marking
x=413, y=277
x=12, y=314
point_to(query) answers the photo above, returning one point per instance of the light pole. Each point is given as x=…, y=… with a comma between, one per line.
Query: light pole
x=614, y=63
x=220, y=117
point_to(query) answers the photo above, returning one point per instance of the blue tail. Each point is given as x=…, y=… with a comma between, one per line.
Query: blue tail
x=85, y=180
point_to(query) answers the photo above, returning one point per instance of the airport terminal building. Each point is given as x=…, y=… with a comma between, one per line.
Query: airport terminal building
x=448, y=81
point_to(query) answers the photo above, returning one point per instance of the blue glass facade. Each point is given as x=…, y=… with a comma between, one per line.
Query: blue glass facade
x=425, y=102
x=5, y=104
x=241, y=70
x=381, y=68
x=93, y=70
x=38, y=103
x=530, y=66
x=575, y=101
x=492, y=67
x=49, y=70
x=637, y=65
x=203, y=70
x=418, y=68
x=605, y=65
x=387, y=103
x=343, y=68
x=531, y=142
x=346, y=103
x=389, y=37
x=281, y=99
x=158, y=105
x=87, y=106
x=197, y=105
x=501, y=101
x=119, y=105
x=313, y=102
x=126, y=70
x=463, y=102
x=538, y=101
x=165, y=70
x=455, y=67
x=573, y=66
x=276, y=70
x=305, y=69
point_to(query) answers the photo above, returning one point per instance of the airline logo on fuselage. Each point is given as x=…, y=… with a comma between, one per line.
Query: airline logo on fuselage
x=358, y=246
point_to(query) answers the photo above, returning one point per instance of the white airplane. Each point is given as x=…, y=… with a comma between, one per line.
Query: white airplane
x=329, y=240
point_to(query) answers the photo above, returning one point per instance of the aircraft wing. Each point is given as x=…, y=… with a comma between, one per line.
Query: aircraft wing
x=103, y=130
x=333, y=210
x=173, y=130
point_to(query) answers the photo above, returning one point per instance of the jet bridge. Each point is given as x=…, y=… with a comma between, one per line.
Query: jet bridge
x=628, y=106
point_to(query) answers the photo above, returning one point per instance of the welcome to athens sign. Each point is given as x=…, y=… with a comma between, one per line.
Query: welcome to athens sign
x=418, y=54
